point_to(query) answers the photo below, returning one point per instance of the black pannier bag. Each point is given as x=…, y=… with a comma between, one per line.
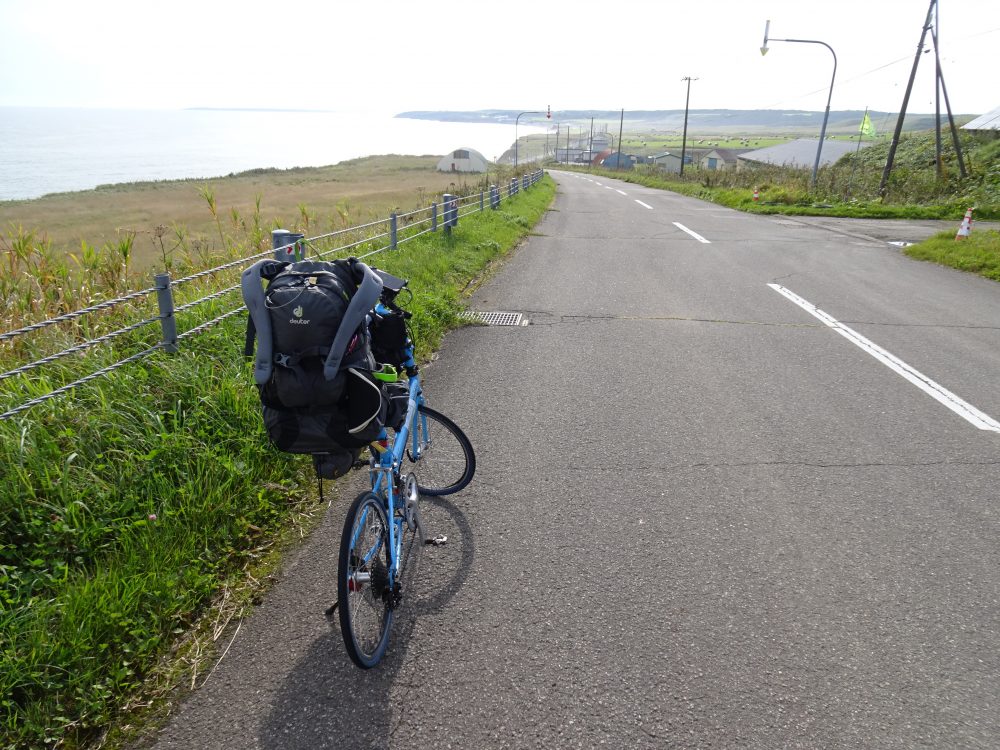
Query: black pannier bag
x=389, y=338
x=313, y=366
x=398, y=399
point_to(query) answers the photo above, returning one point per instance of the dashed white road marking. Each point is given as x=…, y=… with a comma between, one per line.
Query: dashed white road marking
x=962, y=408
x=644, y=205
x=620, y=191
x=692, y=233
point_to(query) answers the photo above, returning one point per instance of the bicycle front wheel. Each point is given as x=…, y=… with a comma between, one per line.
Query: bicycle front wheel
x=364, y=595
x=439, y=453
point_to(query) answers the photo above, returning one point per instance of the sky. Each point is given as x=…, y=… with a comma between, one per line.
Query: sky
x=389, y=56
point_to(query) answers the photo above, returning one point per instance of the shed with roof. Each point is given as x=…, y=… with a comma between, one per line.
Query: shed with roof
x=668, y=162
x=463, y=160
x=721, y=158
x=798, y=154
x=988, y=123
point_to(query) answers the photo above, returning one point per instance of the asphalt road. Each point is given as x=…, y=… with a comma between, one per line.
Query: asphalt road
x=706, y=514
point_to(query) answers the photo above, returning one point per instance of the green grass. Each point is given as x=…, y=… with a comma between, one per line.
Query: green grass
x=979, y=253
x=129, y=504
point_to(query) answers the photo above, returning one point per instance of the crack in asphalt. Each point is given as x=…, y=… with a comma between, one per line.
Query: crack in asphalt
x=676, y=318
x=545, y=318
x=631, y=468
x=864, y=465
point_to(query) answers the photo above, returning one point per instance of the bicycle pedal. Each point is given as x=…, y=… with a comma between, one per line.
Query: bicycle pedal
x=331, y=609
x=437, y=540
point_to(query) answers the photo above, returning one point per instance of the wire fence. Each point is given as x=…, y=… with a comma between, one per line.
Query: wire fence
x=372, y=238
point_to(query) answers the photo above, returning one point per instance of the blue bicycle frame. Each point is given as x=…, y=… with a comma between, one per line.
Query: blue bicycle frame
x=386, y=469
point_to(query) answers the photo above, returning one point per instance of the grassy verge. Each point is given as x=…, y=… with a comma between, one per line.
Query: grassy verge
x=979, y=254
x=130, y=504
x=777, y=196
x=850, y=187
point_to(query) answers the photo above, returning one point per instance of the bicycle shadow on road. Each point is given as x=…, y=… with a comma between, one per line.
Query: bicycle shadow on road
x=325, y=701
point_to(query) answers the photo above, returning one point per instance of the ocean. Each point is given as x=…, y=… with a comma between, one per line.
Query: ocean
x=51, y=150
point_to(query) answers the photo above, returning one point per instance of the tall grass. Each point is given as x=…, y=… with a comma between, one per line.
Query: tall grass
x=126, y=506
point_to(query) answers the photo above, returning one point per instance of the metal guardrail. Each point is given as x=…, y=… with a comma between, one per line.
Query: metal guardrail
x=392, y=231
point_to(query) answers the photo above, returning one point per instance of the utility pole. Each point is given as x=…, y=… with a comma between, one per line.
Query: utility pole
x=590, y=146
x=938, y=166
x=883, y=186
x=621, y=125
x=944, y=90
x=684, y=138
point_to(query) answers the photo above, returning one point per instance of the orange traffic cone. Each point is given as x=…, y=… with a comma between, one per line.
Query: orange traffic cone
x=756, y=196
x=965, y=229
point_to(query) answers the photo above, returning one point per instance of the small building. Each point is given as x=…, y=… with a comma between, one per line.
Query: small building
x=798, y=154
x=463, y=160
x=721, y=158
x=668, y=162
x=988, y=123
x=573, y=155
x=611, y=162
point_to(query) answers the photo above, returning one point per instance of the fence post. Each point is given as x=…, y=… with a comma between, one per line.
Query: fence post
x=392, y=231
x=481, y=204
x=168, y=323
x=450, y=205
x=434, y=216
x=524, y=181
x=494, y=197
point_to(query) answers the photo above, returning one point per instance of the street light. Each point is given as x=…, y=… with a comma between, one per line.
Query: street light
x=549, y=113
x=822, y=132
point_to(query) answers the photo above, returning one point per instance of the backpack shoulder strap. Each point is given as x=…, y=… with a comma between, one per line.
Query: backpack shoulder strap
x=251, y=284
x=369, y=291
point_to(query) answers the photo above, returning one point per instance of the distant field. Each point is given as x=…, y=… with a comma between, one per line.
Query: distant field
x=351, y=192
x=647, y=144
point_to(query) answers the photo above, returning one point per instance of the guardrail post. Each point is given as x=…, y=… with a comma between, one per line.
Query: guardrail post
x=524, y=181
x=434, y=216
x=449, y=203
x=513, y=187
x=494, y=197
x=481, y=203
x=392, y=230
x=168, y=323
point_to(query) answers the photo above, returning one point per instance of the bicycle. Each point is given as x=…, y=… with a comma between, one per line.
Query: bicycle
x=383, y=522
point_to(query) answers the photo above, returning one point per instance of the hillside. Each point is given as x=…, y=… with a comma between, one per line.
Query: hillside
x=705, y=121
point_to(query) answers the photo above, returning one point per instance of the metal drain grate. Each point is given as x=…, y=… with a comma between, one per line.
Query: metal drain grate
x=497, y=318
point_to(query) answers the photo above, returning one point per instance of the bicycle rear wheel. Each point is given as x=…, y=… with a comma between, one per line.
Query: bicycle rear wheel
x=363, y=592
x=439, y=453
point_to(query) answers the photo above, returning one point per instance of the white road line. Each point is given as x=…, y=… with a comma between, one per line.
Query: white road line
x=621, y=191
x=608, y=187
x=598, y=184
x=962, y=408
x=693, y=234
x=644, y=205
